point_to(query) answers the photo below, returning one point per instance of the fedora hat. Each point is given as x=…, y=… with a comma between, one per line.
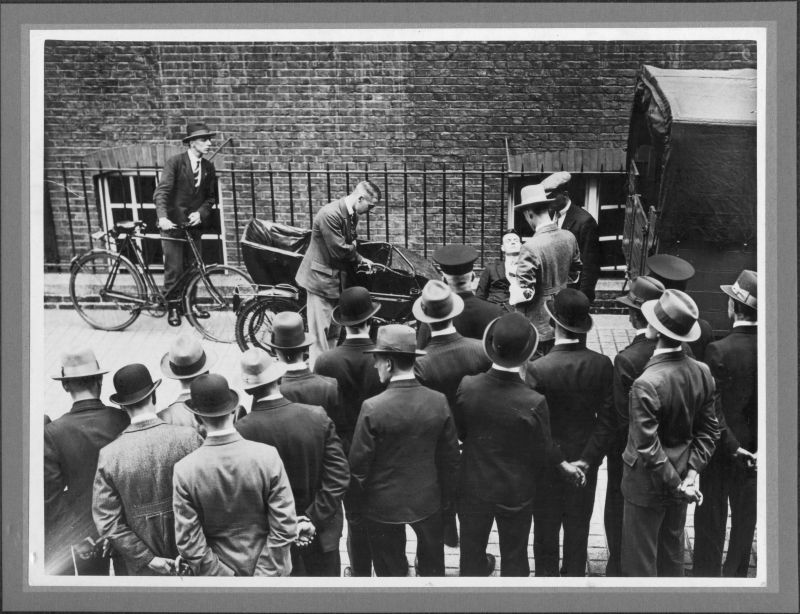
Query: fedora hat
x=133, y=383
x=532, y=195
x=259, y=368
x=288, y=332
x=355, y=307
x=744, y=289
x=81, y=363
x=211, y=396
x=643, y=288
x=670, y=270
x=396, y=339
x=570, y=309
x=196, y=130
x=510, y=340
x=455, y=259
x=186, y=358
x=674, y=315
x=437, y=303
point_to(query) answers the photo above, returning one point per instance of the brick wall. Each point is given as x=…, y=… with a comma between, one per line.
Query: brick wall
x=351, y=103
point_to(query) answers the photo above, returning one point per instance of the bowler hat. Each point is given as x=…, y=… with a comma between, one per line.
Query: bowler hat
x=437, y=303
x=533, y=196
x=288, y=332
x=81, y=363
x=186, y=358
x=355, y=307
x=259, y=368
x=396, y=339
x=510, y=340
x=672, y=271
x=133, y=383
x=744, y=289
x=643, y=288
x=211, y=396
x=570, y=309
x=674, y=315
x=197, y=130
x=455, y=259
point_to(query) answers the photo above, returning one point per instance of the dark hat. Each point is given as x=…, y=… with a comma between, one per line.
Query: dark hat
x=186, y=358
x=259, y=368
x=510, y=340
x=81, y=363
x=355, y=307
x=744, y=289
x=288, y=332
x=211, y=396
x=674, y=315
x=643, y=288
x=396, y=339
x=437, y=303
x=133, y=384
x=570, y=310
x=670, y=270
x=197, y=130
x=533, y=197
x=455, y=259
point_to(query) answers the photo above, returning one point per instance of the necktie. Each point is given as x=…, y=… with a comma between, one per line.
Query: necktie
x=196, y=173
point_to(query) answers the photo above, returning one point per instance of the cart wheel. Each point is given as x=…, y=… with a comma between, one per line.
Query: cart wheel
x=254, y=322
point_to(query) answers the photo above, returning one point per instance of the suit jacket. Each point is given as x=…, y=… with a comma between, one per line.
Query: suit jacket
x=132, y=500
x=312, y=454
x=471, y=322
x=404, y=458
x=331, y=253
x=311, y=389
x=357, y=378
x=234, y=511
x=449, y=358
x=673, y=427
x=577, y=383
x=706, y=337
x=506, y=437
x=547, y=262
x=178, y=414
x=629, y=364
x=733, y=361
x=581, y=223
x=176, y=196
x=71, y=447
x=493, y=285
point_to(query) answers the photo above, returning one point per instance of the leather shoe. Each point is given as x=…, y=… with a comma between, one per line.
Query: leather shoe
x=200, y=314
x=490, y=563
x=173, y=318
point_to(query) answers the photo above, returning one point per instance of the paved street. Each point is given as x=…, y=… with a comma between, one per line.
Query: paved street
x=148, y=338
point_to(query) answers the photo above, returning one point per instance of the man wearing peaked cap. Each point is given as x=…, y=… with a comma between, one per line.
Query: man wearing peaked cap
x=672, y=434
x=72, y=444
x=306, y=440
x=577, y=383
x=134, y=473
x=406, y=426
x=730, y=476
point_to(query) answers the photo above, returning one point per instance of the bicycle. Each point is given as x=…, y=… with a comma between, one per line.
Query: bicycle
x=110, y=291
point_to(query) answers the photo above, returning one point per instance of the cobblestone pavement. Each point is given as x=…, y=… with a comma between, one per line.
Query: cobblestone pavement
x=147, y=339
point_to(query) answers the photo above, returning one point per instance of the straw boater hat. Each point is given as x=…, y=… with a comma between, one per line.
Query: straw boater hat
x=133, y=383
x=744, y=289
x=437, y=303
x=81, y=363
x=396, y=339
x=355, y=307
x=211, y=396
x=288, y=332
x=197, y=130
x=186, y=358
x=643, y=289
x=570, y=310
x=259, y=368
x=510, y=340
x=674, y=315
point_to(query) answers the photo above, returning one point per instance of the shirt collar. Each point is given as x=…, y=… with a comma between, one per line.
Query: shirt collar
x=400, y=378
x=297, y=366
x=641, y=331
x=566, y=341
x=445, y=331
x=667, y=350
x=358, y=335
x=144, y=418
x=349, y=207
x=739, y=323
x=192, y=158
x=497, y=367
x=221, y=433
x=270, y=397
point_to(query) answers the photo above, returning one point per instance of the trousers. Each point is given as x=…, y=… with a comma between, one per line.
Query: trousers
x=177, y=257
x=652, y=540
x=358, y=545
x=612, y=513
x=312, y=561
x=321, y=327
x=388, y=547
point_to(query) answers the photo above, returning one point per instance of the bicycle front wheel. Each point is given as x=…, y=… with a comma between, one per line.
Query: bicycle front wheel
x=254, y=323
x=106, y=290
x=213, y=300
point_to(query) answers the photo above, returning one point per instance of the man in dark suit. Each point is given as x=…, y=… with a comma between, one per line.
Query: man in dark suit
x=330, y=257
x=629, y=364
x=672, y=433
x=248, y=534
x=730, y=476
x=358, y=381
x=72, y=444
x=403, y=460
x=184, y=196
x=311, y=452
x=577, y=383
x=496, y=279
x=506, y=440
x=132, y=500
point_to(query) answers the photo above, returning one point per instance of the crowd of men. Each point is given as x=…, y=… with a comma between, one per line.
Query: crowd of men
x=491, y=412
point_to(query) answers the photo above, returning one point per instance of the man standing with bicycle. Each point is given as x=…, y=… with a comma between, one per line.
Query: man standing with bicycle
x=184, y=197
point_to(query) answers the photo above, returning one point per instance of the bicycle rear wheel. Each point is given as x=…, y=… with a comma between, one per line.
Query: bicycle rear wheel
x=212, y=301
x=254, y=324
x=106, y=290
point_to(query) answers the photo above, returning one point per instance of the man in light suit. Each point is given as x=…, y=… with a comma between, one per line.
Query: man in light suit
x=185, y=195
x=233, y=506
x=330, y=257
x=672, y=433
x=132, y=500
